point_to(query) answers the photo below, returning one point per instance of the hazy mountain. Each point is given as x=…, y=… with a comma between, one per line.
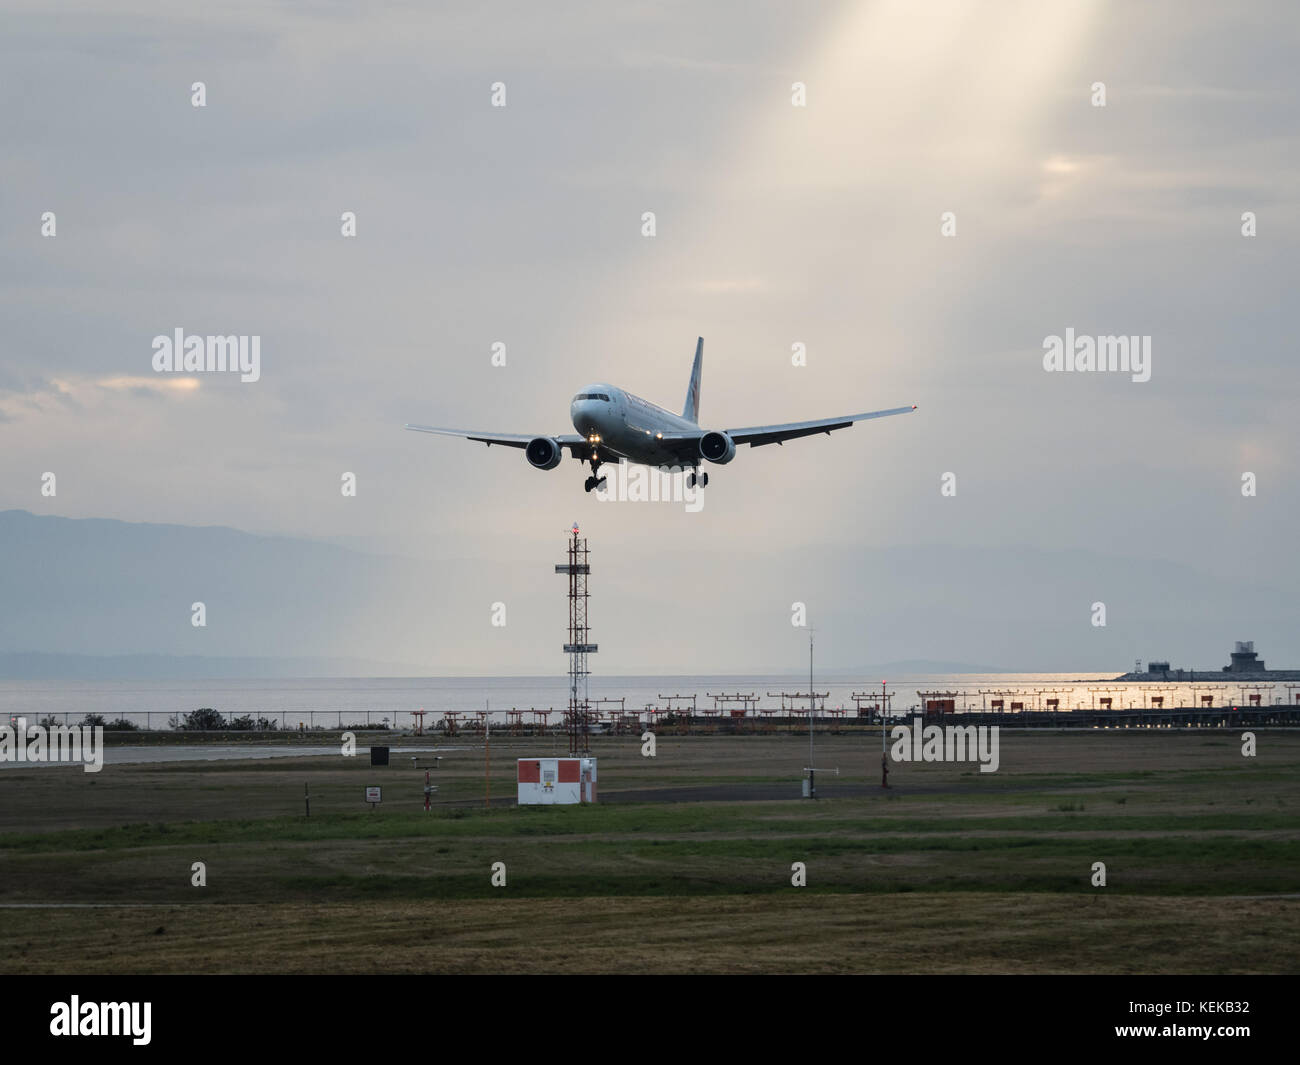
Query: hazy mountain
x=39, y=665
x=278, y=606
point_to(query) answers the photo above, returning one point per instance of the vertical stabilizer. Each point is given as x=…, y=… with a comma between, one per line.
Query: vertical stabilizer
x=692, y=409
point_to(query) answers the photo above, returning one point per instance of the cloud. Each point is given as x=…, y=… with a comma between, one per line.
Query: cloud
x=169, y=385
x=75, y=393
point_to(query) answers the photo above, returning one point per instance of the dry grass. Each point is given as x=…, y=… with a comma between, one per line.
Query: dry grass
x=983, y=933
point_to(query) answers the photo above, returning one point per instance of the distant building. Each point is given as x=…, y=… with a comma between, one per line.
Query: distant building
x=1244, y=659
x=1245, y=662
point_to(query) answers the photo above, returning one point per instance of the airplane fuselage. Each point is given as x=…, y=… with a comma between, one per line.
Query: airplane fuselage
x=627, y=425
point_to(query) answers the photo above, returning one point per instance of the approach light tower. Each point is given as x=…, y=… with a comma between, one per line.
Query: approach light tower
x=578, y=715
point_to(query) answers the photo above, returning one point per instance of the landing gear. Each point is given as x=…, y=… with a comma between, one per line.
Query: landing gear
x=595, y=480
x=701, y=478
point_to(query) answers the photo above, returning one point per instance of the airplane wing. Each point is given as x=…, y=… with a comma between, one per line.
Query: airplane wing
x=572, y=441
x=758, y=435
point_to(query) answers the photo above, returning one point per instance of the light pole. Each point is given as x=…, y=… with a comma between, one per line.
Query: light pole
x=812, y=709
x=884, y=758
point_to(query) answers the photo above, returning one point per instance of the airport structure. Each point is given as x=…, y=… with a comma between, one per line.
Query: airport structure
x=1243, y=662
x=1237, y=703
x=578, y=647
x=556, y=781
x=547, y=781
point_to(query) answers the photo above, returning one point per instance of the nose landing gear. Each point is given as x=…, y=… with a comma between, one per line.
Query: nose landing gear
x=595, y=480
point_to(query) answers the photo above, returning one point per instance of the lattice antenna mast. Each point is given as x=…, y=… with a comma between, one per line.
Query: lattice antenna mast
x=578, y=716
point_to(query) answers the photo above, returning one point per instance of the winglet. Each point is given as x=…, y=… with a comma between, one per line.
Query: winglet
x=691, y=411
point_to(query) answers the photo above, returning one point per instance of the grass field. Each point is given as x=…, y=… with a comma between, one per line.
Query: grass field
x=950, y=870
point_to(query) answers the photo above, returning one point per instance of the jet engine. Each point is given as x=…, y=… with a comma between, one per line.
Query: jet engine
x=717, y=447
x=544, y=452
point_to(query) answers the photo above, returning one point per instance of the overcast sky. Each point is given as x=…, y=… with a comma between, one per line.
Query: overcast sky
x=776, y=225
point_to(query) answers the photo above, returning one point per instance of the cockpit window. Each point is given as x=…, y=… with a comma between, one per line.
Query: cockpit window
x=591, y=395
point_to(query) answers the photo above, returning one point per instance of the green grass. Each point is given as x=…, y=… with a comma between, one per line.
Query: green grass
x=715, y=819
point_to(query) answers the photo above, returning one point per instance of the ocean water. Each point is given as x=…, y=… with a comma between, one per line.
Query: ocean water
x=327, y=702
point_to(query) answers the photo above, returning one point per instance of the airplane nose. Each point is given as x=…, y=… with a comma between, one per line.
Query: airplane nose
x=588, y=417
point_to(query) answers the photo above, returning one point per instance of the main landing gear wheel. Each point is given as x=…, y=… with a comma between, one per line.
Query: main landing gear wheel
x=693, y=478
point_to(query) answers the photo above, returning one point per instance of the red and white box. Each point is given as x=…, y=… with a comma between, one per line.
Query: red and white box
x=556, y=781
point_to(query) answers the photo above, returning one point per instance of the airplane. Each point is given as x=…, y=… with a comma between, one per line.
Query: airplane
x=613, y=424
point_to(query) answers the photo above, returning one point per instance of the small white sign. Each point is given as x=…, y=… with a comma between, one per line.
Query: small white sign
x=372, y=795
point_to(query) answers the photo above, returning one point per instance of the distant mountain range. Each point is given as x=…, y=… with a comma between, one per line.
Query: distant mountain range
x=102, y=598
x=40, y=665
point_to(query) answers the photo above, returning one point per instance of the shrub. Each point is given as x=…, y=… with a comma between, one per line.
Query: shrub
x=203, y=719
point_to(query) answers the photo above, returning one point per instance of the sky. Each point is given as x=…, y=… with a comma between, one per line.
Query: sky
x=776, y=225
